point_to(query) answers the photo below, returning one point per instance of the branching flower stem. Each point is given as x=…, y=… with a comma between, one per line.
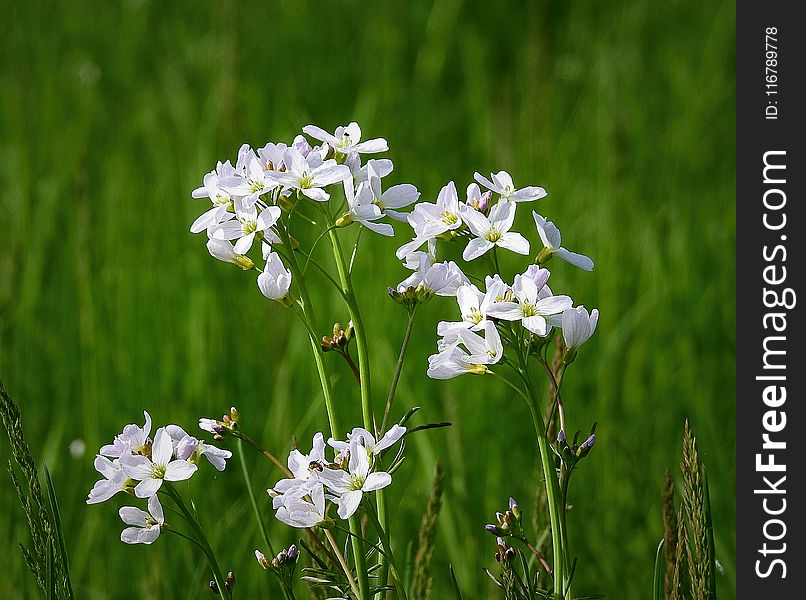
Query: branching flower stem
x=553, y=492
x=201, y=538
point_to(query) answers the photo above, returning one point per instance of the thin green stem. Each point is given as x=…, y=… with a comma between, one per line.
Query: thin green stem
x=306, y=311
x=366, y=399
x=360, y=332
x=398, y=369
x=252, y=499
x=359, y=559
x=263, y=451
x=553, y=493
x=343, y=562
x=204, y=543
x=400, y=588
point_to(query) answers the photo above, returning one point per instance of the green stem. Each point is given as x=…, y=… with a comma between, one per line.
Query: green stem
x=398, y=368
x=343, y=562
x=553, y=493
x=400, y=588
x=359, y=559
x=306, y=312
x=202, y=538
x=366, y=399
x=360, y=332
x=252, y=498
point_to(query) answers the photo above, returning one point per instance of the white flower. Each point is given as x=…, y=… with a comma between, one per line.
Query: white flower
x=223, y=251
x=145, y=526
x=347, y=139
x=251, y=179
x=362, y=208
x=530, y=308
x=114, y=480
x=550, y=236
x=248, y=222
x=473, y=305
x=452, y=362
x=220, y=198
x=367, y=440
x=133, y=439
x=477, y=200
x=502, y=184
x=187, y=447
x=310, y=174
x=151, y=472
x=578, y=326
x=478, y=352
x=351, y=485
x=493, y=231
x=304, y=513
x=397, y=196
x=442, y=279
x=304, y=468
x=432, y=219
x=275, y=280
x=381, y=166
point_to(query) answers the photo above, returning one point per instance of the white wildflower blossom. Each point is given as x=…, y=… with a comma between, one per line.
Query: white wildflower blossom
x=578, y=326
x=275, y=280
x=151, y=472
x=347, y=139
x=304, y=512
x=144, y=526
x=502, y=184
x=133, y=439
x=249, y=222
x=493, y=231
x=350, y=486
x=528, y=307
x=310, y=174
x=552, y=243
x=114, y=481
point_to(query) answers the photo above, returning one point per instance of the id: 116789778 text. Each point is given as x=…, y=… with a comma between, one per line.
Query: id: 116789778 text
x=771, y=72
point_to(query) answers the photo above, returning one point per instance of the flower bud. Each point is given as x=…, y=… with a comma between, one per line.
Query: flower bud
x=214, y=587
x=514, y=508
x=234, y=415
x=229, y=582
x=586, y=446
x=494, y=529
x=483, y=203
x=327, y=343
x=544, y=256
x=261, y=559
x=345, y=220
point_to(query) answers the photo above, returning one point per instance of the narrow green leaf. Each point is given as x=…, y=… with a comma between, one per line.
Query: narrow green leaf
x=456, y=591
x=57, y=526
x=657, y=587
x=709, y=531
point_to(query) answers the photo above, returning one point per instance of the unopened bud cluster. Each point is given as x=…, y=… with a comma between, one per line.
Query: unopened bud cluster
x=509, y=522
x=571, y=453
x=340, y=339
x=226, y=426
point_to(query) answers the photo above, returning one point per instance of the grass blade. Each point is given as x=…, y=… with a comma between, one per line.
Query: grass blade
x=657, y=587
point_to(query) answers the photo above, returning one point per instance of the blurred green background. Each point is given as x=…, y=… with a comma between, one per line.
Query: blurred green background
x=112, y=112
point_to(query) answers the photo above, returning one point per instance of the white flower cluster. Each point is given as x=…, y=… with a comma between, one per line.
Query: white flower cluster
x=483, y=223
x=300, y=501
x=248, y=199
x=138, y=464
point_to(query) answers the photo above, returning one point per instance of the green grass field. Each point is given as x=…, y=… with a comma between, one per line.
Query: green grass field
x=112, y=112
